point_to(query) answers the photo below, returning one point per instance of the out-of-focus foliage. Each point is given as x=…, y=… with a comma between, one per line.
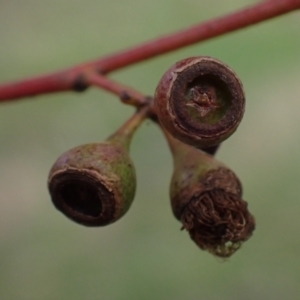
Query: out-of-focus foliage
x=45, y=256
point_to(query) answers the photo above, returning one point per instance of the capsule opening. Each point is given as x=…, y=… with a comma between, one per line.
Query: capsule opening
x=81, y=197
x=207, y=99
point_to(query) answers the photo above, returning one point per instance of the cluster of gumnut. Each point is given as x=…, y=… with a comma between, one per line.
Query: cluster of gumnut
x=199, y=102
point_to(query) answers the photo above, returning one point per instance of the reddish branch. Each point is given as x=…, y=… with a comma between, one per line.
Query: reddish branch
x=79, y=77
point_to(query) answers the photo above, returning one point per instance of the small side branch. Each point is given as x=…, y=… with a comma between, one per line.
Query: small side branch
x=127, y=94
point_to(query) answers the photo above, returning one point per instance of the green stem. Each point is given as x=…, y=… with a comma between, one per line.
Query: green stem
x=124, y=134
x=178, y=148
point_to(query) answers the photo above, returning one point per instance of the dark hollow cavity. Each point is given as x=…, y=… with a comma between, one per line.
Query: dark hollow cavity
x=82, y=197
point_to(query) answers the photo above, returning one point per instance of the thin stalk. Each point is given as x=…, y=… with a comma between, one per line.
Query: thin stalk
x=127, y=94
x=124, y=134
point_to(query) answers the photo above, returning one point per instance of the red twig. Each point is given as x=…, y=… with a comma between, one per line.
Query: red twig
x=197, y=33
x=74, y=78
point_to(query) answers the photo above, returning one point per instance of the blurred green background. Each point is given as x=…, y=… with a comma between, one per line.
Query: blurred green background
x=45, y=256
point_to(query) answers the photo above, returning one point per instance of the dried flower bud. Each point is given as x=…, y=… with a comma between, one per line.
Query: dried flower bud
x=94, y=184
x=200, y=101
x=206, y=198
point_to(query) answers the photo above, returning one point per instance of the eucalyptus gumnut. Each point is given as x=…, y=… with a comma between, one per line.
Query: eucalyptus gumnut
x=206, y=196
x=200, y=101
x=94, y=184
